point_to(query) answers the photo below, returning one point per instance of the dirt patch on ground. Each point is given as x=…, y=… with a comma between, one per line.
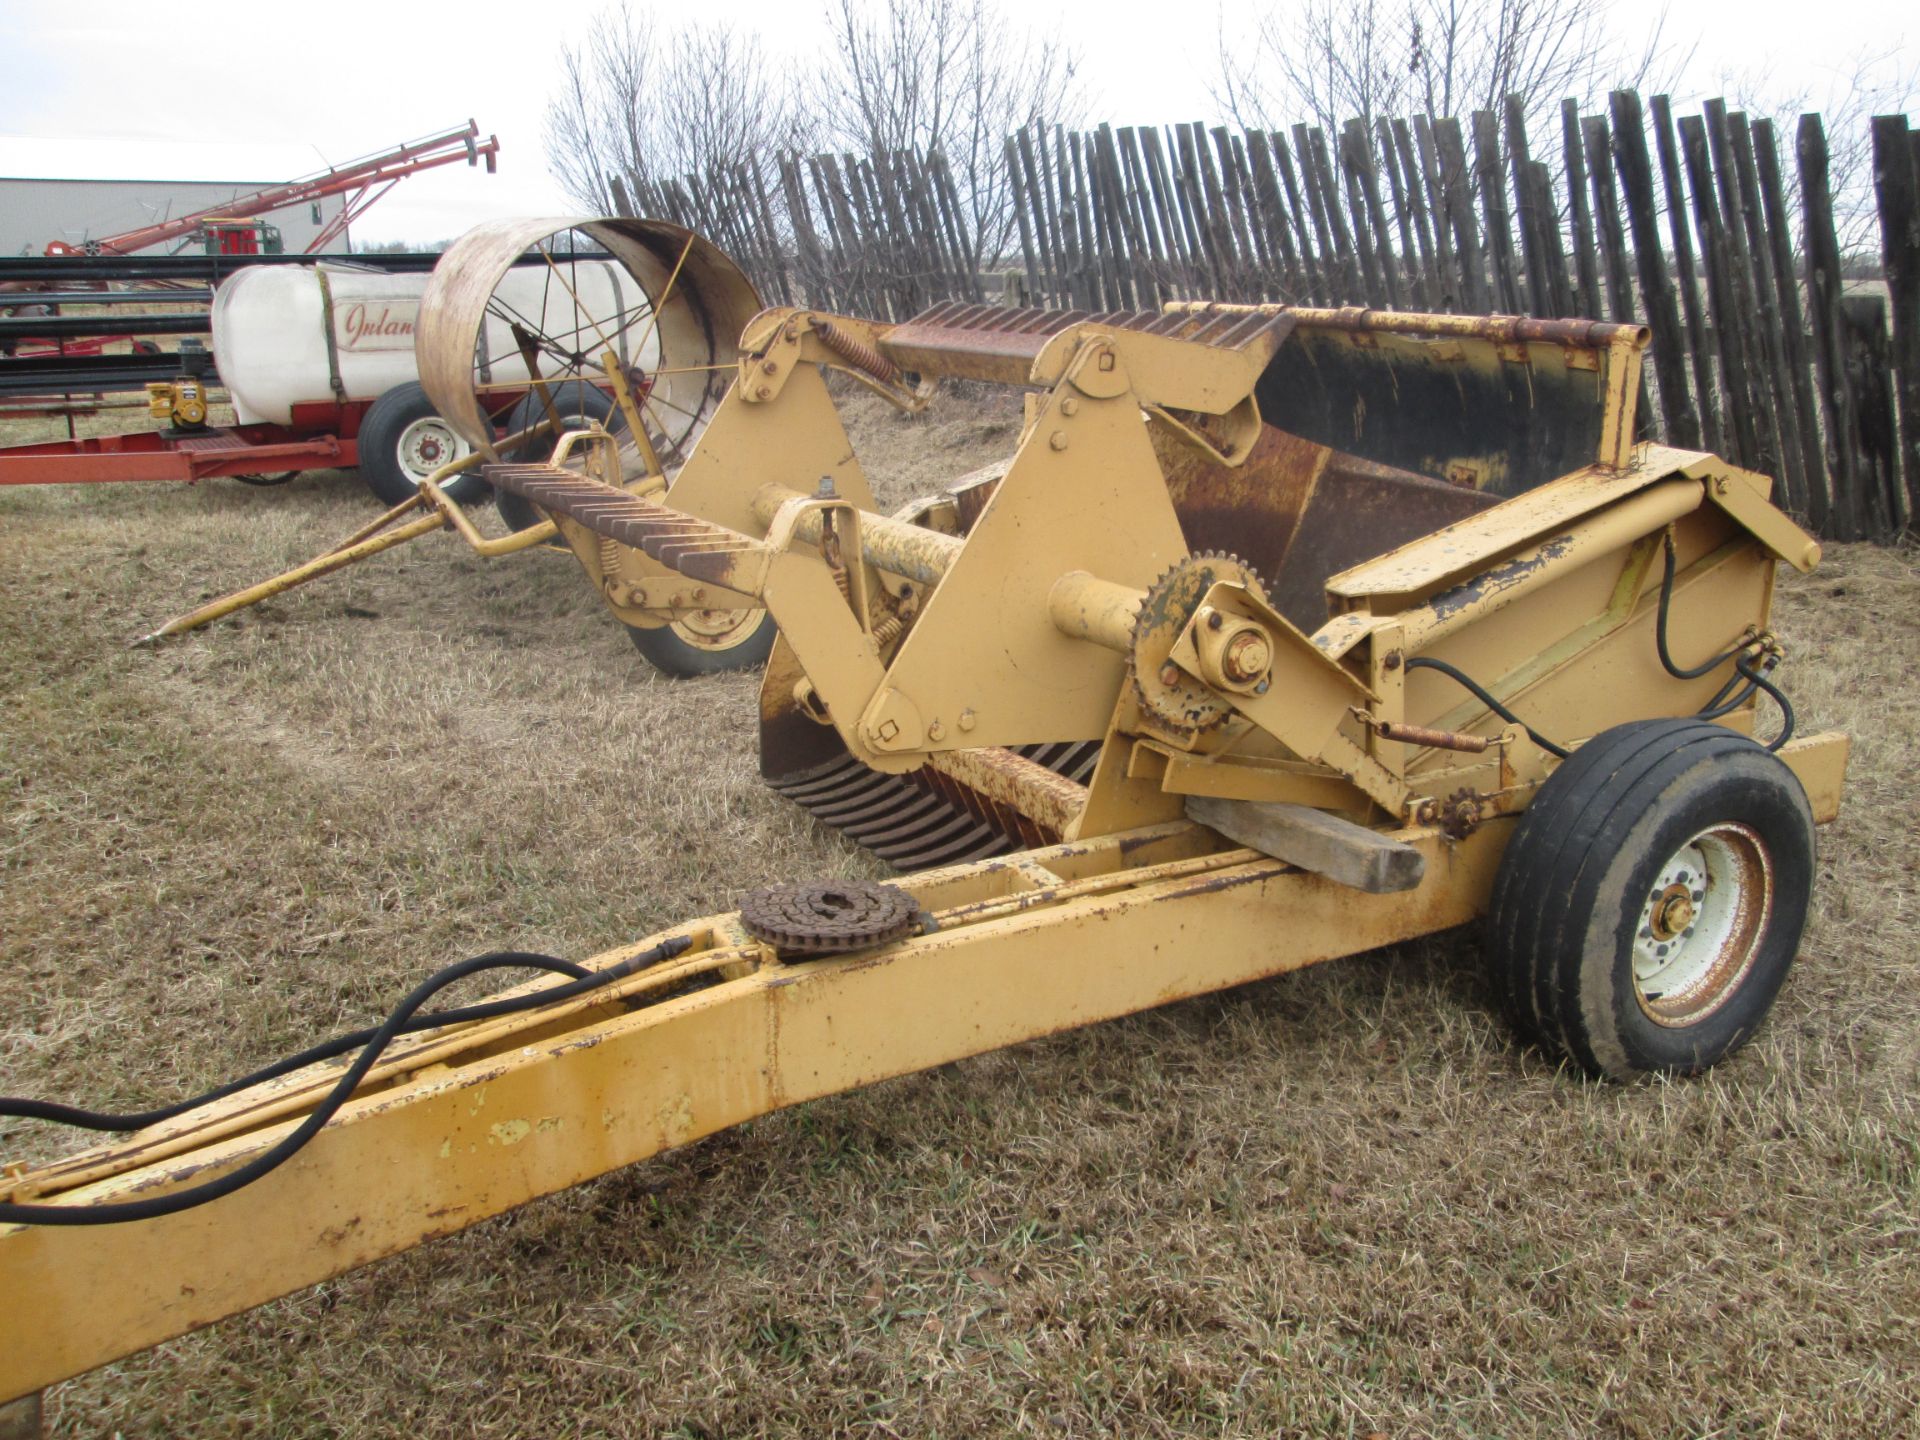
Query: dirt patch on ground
x=1332, y=1204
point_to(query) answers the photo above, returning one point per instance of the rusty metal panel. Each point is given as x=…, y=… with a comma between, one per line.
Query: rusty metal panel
x=1449, y=409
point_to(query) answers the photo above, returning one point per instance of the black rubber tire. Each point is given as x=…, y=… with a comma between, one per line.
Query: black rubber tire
x=379, y=440
x=1570, y=895
x=570, y=398
x=668, y=653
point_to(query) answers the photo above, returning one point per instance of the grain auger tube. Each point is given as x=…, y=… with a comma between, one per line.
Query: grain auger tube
x=1182, y=695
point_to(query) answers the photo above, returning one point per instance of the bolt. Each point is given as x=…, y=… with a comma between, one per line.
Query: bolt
x=1263, y=687
x=1058, y=440
x=1248, y=655
x=1169, y=674
x=968, y=719
x=699, y=592
x=825, y=490
x=936, y=730
x=1069, y=406
x=1392, y=661
x=770, y=367
x=1215, y=620
x=763, y=392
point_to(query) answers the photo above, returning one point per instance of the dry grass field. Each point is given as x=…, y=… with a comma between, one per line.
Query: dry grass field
x=1340, y=1203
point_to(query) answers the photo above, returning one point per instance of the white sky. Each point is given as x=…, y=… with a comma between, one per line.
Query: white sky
x=269, y=90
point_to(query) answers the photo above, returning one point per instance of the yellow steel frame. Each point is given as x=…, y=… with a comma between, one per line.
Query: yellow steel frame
x=462, y=1123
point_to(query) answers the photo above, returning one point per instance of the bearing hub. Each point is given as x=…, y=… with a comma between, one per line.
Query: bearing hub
x=829, y=918
x=1177, y=702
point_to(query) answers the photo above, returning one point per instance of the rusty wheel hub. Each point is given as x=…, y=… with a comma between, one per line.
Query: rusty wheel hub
x=829, y=918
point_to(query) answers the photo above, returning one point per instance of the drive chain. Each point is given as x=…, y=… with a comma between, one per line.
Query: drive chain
x=829, y=918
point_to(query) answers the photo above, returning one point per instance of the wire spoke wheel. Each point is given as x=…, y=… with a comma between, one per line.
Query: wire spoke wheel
x=630, y=325
x=524, y=319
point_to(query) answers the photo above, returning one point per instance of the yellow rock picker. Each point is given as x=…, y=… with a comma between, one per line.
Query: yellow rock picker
x=1283, y=634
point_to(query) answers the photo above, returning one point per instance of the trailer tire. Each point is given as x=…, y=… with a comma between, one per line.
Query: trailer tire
x=687, y=648
x=1651, y=899
x=570, y=397
x=402, y=440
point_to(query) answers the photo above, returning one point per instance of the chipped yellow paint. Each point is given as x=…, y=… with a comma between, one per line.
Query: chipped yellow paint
x=509, y=1132
x=676, y=1120
x=446, y=1148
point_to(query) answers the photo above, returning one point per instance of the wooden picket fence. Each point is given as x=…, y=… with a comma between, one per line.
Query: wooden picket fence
x=1680, y=222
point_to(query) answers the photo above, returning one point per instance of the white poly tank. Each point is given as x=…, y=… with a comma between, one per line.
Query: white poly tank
x=270, y=329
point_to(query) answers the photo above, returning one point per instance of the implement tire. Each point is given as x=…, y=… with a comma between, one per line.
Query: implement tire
x=402, y=440
x=1651, y=899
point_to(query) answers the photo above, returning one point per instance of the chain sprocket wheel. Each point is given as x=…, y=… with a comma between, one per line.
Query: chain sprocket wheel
x=1173, y=699
x=829, y=918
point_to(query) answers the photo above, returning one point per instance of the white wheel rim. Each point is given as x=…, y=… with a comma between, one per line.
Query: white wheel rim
x=717, y=629
x=426, y=445
x=1701, y=924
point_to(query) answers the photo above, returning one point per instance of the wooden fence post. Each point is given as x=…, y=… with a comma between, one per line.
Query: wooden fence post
x=1682, y=422
x=1705, y=392
x=1894, y=186
x=1822, y=250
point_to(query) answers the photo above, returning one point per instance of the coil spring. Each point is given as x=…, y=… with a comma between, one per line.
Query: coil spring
x=857, y=353
x=609, y=556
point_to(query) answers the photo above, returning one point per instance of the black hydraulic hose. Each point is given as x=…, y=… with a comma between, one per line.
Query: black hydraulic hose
x=1681, y=672
x=1758, y=678
x=1719, y=705
x=55, y=1113
x=396, y=1024
x=1474, y=688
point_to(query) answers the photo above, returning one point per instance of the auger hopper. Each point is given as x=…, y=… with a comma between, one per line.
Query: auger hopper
x=1281, y=635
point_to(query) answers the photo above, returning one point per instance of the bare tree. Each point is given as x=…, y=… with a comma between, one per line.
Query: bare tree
x=1878, y=80
x=1328, y=61
x=955, y=76
x=640, y=102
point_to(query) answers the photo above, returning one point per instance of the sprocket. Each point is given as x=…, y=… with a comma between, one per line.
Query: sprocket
x=1175, y=702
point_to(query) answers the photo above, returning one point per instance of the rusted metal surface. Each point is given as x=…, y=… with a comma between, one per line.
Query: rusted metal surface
x=1508, y=329
x=901, y=548
x=1297, y=511
x=1501, y=402
x=1042, y=795
x=929, y=817
x=696, y=320
x=1178, y=703
x=1428, y=736
x=695, y=548
x=1000, y=344
x=857, y=353
x=828, y=918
